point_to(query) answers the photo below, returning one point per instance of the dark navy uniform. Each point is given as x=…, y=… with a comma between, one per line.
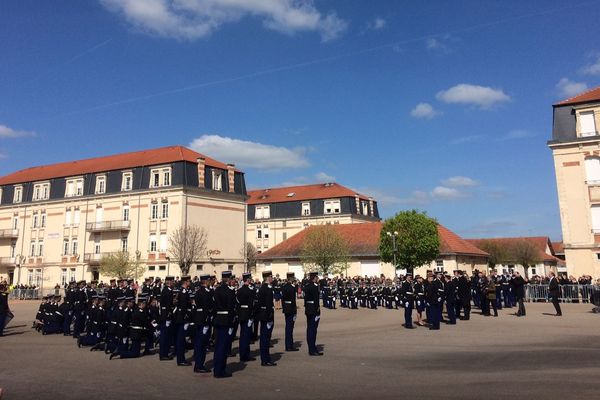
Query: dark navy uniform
x=224, y=316
x=289, y=308
x=204, y=303
x=182, y=323
x=245, y=298
x=408, y=301
x=313, y=314
x=166, y=305
x=266, y=316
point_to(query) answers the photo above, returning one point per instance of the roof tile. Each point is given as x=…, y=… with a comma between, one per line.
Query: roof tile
x=299, y=193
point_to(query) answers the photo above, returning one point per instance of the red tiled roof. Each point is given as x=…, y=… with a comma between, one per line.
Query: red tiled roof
x=304, y=192
x=587, y=96
x=559, y=247
x=540, y=242
x=158, y=156
x=363, y=239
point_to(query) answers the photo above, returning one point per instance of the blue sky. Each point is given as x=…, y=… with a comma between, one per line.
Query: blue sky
x=441, y=106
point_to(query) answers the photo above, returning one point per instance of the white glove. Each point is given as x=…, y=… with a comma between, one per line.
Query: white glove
x=269, y=325
x=249, y=323
x=205, y=330
x=124, y=340
x=406, y=304
x=186, y=326
x=294, y=318
x=230, y=332
x=317, y=318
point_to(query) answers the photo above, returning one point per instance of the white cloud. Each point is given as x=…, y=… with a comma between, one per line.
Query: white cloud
x=446, y=193
x=569, y=88
x=194, y=19
x=424, y=110
x=248, y=154
x=6, y=132
x=517, y=134
x=377, y=24
x=460, y=181
x=322, y=177
x=433, y=43
x=481, y=96
x=593, y=68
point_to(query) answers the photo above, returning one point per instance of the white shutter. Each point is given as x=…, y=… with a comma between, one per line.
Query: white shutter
x=596, y=218
x=76, y=217
x=99, y=214
x=163, y=241
x=587, y=123
x=592, y=169
x=68, y=217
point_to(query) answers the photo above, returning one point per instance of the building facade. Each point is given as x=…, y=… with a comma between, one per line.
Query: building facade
x=363, y=244
x=575, y=147
x=275, y=215
x=58, y=221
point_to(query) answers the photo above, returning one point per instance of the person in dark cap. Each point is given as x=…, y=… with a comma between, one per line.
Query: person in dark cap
x=112, y=340
x=70, y=297
x=166, y=309
x=313, y=313
x=266, y=316
x=289, y=308
x=245, y=298
x=450, y=296
x=137, y=331
x=111, y=297
x=79, y=309
x=224, y=315
x=204, y=303
x=182, y=321
x=408, y=300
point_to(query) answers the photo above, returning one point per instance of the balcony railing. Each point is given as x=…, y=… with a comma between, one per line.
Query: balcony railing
x=94, y=258
x=8, y=261
x=9, y=233
x=106, y=226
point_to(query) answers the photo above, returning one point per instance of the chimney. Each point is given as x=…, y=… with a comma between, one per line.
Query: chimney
x=201, y=166
x=230, y=175
x=371, y=208
x=357, y=200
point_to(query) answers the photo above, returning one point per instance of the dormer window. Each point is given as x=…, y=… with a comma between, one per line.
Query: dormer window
x=587, y=124
x=365, y=208
x=74, y=187
x=217, y=180
x=262, y=212
x=160, y=177
x=127, y=182
x=332, y=206
x=18, y=196
x=101, y=184
x=41, y=191
x=305, y=209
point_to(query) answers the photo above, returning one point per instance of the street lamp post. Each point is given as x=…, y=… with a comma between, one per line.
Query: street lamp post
x=393, y=235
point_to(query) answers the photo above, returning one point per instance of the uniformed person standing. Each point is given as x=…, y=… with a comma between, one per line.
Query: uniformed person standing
x=245, y=297
x=138, y=329
x=166, y=304
x=266, y=316
x=204, y=302
x=224, y=314
x=408, y=300
x=313, y=313
x=288, y=294
x=182, y=320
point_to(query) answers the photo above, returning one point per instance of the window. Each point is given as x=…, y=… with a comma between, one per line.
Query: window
x=332, y=206
x=65, y=247
x=162, y=267
x=74, y=246
x=217, y=180
x=96, y=244
x=284, y=235
x=163, y=242
x=154, y=211
x=125, y=212
x=36, y=220
x=596, y=219
x=40, y=248
x=99, y=214
x=68, y=217
x=262, y=212
x=164, y=211
x=439, y=263
x=259, y=233
x=230, y=267
x=365, y=208
x=151, y=267
x=124, y=244
x=266, y=232
x=199, y=267
x=32, y=249
x=533, y=271
x=127, y=182
x=306, y=209
x=155, y=182
x=160, y=177
x=74, y=187
x=76, y=216
x=72, y=274
x=13, y=249
x=592, y=170
x=153, y=242
x=587, y=124
x=15, y=224
x=18, y=196
x=100, y=184
x=166, y=177
x=43, y=220
x=63, y=276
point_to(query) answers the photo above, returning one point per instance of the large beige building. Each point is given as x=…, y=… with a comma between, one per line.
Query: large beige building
x=363, y=244
x=58, y=221
x=277, y=214
x=575, y=146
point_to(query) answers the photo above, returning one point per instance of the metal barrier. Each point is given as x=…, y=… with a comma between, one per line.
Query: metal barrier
x=568, y=293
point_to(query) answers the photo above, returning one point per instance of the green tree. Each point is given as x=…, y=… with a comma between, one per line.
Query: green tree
x=525, y=253
x=325, y=250
x=120, y=265
x=499, y=253
x=416, y=237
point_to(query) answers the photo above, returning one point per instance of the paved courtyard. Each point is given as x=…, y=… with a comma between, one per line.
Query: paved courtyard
x=367, y=355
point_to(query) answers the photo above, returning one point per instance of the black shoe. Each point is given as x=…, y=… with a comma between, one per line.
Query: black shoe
x=148, y=353
x=292, y=349
x=184, y=364
x=248, y=359
x=79, y=342
x=202, y=370
x=225, y=375
x=268, y=364
x=113, y=355
x=168, y=358
x=318, y=353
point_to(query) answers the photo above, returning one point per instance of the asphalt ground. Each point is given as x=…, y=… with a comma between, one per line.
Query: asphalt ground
x=367, y=355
